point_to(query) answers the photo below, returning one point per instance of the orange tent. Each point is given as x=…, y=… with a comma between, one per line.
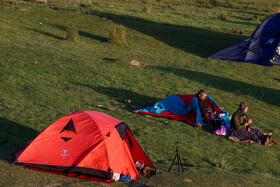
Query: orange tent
x=86, y=142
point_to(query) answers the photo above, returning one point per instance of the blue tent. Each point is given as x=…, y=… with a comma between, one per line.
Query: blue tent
x=263, y=47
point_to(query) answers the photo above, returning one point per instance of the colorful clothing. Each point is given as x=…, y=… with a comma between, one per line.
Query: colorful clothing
x=240, y=132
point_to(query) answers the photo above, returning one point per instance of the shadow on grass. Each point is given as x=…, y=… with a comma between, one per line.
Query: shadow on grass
x=46, y=33
x=82, y=33
x=253, y=13
x=267, y=95
x=91, y=36
x=120, y=94
x=200, y=42
x=137, y=184
x=246, y=21
x=276, y=79
x=110, y=59
x=243, y=23
x=13, y=136
x=187, y=166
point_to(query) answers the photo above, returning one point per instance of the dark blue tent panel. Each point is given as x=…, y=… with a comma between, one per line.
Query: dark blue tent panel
x=263, y=47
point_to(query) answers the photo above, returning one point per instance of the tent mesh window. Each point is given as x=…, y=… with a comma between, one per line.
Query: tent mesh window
x=276, y=57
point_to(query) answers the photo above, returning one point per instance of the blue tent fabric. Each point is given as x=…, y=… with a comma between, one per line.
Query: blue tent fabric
x=263, y=47
x=172, y=104
x=194, y=107
x=175, y=105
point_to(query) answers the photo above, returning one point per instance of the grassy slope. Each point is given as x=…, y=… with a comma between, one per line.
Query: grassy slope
x=44, y=78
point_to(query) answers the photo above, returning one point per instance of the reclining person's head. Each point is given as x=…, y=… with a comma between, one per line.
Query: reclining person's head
x=202, y=94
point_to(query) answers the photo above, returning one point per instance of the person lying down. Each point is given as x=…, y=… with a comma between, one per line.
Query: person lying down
x=217, y=121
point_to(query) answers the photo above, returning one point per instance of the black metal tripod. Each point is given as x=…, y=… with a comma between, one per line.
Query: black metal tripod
x=179, y=161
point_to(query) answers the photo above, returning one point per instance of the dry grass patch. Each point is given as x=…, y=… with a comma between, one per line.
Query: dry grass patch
x=71, y=33
x=147, y=10
x=222, y=16
x=117, y=35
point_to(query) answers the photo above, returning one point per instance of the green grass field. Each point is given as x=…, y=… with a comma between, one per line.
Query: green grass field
x=44, y=77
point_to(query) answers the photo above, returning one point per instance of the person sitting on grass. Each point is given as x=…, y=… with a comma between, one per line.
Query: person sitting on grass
x=241, y=130
x=206, y=112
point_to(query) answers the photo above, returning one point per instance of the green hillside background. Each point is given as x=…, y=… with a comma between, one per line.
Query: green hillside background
x=45, y=77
